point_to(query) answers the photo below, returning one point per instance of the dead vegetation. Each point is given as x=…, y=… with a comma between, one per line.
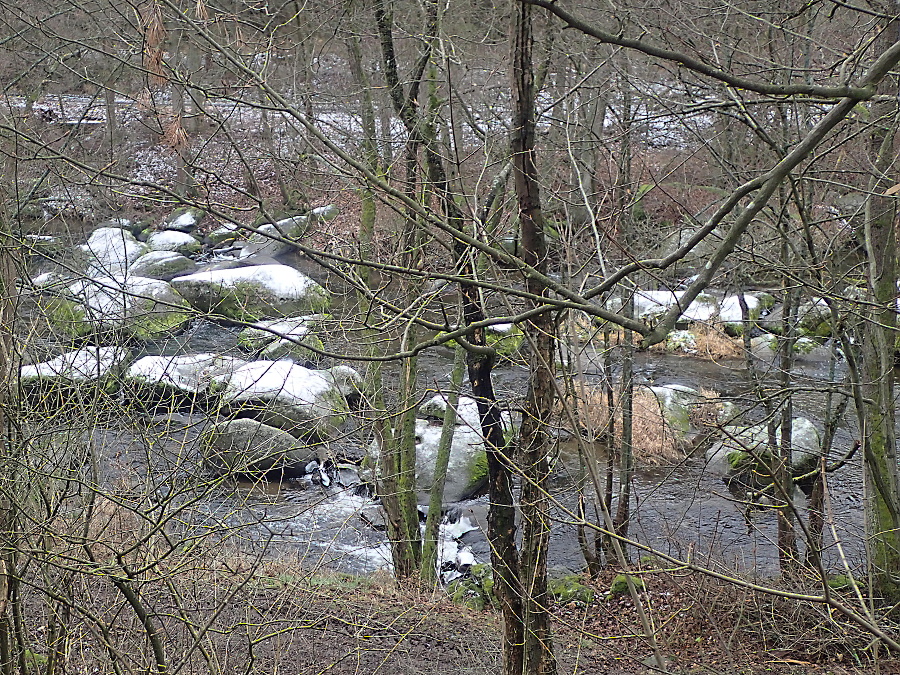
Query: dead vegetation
x=655, y=442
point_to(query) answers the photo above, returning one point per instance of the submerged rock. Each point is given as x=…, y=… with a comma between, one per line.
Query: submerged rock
x=284, y=395
x=111, y=251
x=253, y=293
x=95, y=366
x=249, y=446
x=136, y=306
x=165, y=265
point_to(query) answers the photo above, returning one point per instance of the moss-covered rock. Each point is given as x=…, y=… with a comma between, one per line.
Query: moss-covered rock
x=506, y=338
x=184, y=219
x=279, y=338
x=133, y=306
x=570, y=588
x=246, y=446
x=301, y=401
x=476, y=589
x=253, y=293
x=619, y=585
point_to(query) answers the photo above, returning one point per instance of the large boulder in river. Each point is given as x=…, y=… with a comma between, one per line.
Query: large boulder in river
x=275, y=339
x=248, y=446
x=111, y=251
x=284, y=395
x=95, y=367
x=253, y=293
x=651, y=305
x=173, y=240
x=169, y=378
x=185, y=219
x=466, y=471
x=135, y=306
x=744, y=450
x=165, y=265
x=274, y=239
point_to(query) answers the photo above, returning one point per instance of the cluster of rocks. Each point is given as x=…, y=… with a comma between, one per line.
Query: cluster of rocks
x=117, y=283
x=268, y=410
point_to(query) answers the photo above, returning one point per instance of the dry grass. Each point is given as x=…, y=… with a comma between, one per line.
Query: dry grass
x=713, y=343
x=710, y=339
x=655, y=442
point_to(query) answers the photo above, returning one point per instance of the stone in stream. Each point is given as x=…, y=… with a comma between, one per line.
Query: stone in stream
x=744, y=452
x=165, y=265
x=466, y=471
x=731, y=315
x=111, y=251
x=653, y=304
x=285, y=395
x=176, y=378
x=185, y=219
x=172, y=240
x=248, y=446
x=280, y=338
x=253, y=293
x=134, y=306
x=267, y=240
x=95, y=367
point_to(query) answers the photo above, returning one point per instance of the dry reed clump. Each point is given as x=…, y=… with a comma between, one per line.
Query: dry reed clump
x=713, y=343
x=654, y=440
x=709, y=340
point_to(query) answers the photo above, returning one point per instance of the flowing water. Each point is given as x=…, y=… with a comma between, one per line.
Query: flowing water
x=683, y=510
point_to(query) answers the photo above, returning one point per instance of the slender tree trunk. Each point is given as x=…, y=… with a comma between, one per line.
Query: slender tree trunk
x=878, y=344
x=540, y=332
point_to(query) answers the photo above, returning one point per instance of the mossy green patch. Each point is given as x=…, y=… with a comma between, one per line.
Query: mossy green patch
x=619, y=585
x=570, y=588
x=476, y=589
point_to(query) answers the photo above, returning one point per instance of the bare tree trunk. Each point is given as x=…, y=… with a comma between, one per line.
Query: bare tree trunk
x=878, y=344
x=540, y=332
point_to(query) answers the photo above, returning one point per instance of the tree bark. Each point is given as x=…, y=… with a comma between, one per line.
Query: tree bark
x=538, y=656
x=878, y=344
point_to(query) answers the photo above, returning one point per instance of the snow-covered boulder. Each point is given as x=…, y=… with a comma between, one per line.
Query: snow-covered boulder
x=675, y=403
x=165, y=265
x=188, y=374
x=745, y=449
x=226, y=233
x=268, y=238
x=731, y=315
x=185, y=219
x=284, y=395
x=111, y=251
x=247, y=446
x=136, y=306
x=466, y=471
x=95, y=366
x=253, y=293
x=173, y=240
x=652, y=304
x=348, y=381
x=681, y=342
x=275, y=339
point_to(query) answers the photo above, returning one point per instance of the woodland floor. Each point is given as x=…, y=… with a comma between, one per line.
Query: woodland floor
x=278, y=623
